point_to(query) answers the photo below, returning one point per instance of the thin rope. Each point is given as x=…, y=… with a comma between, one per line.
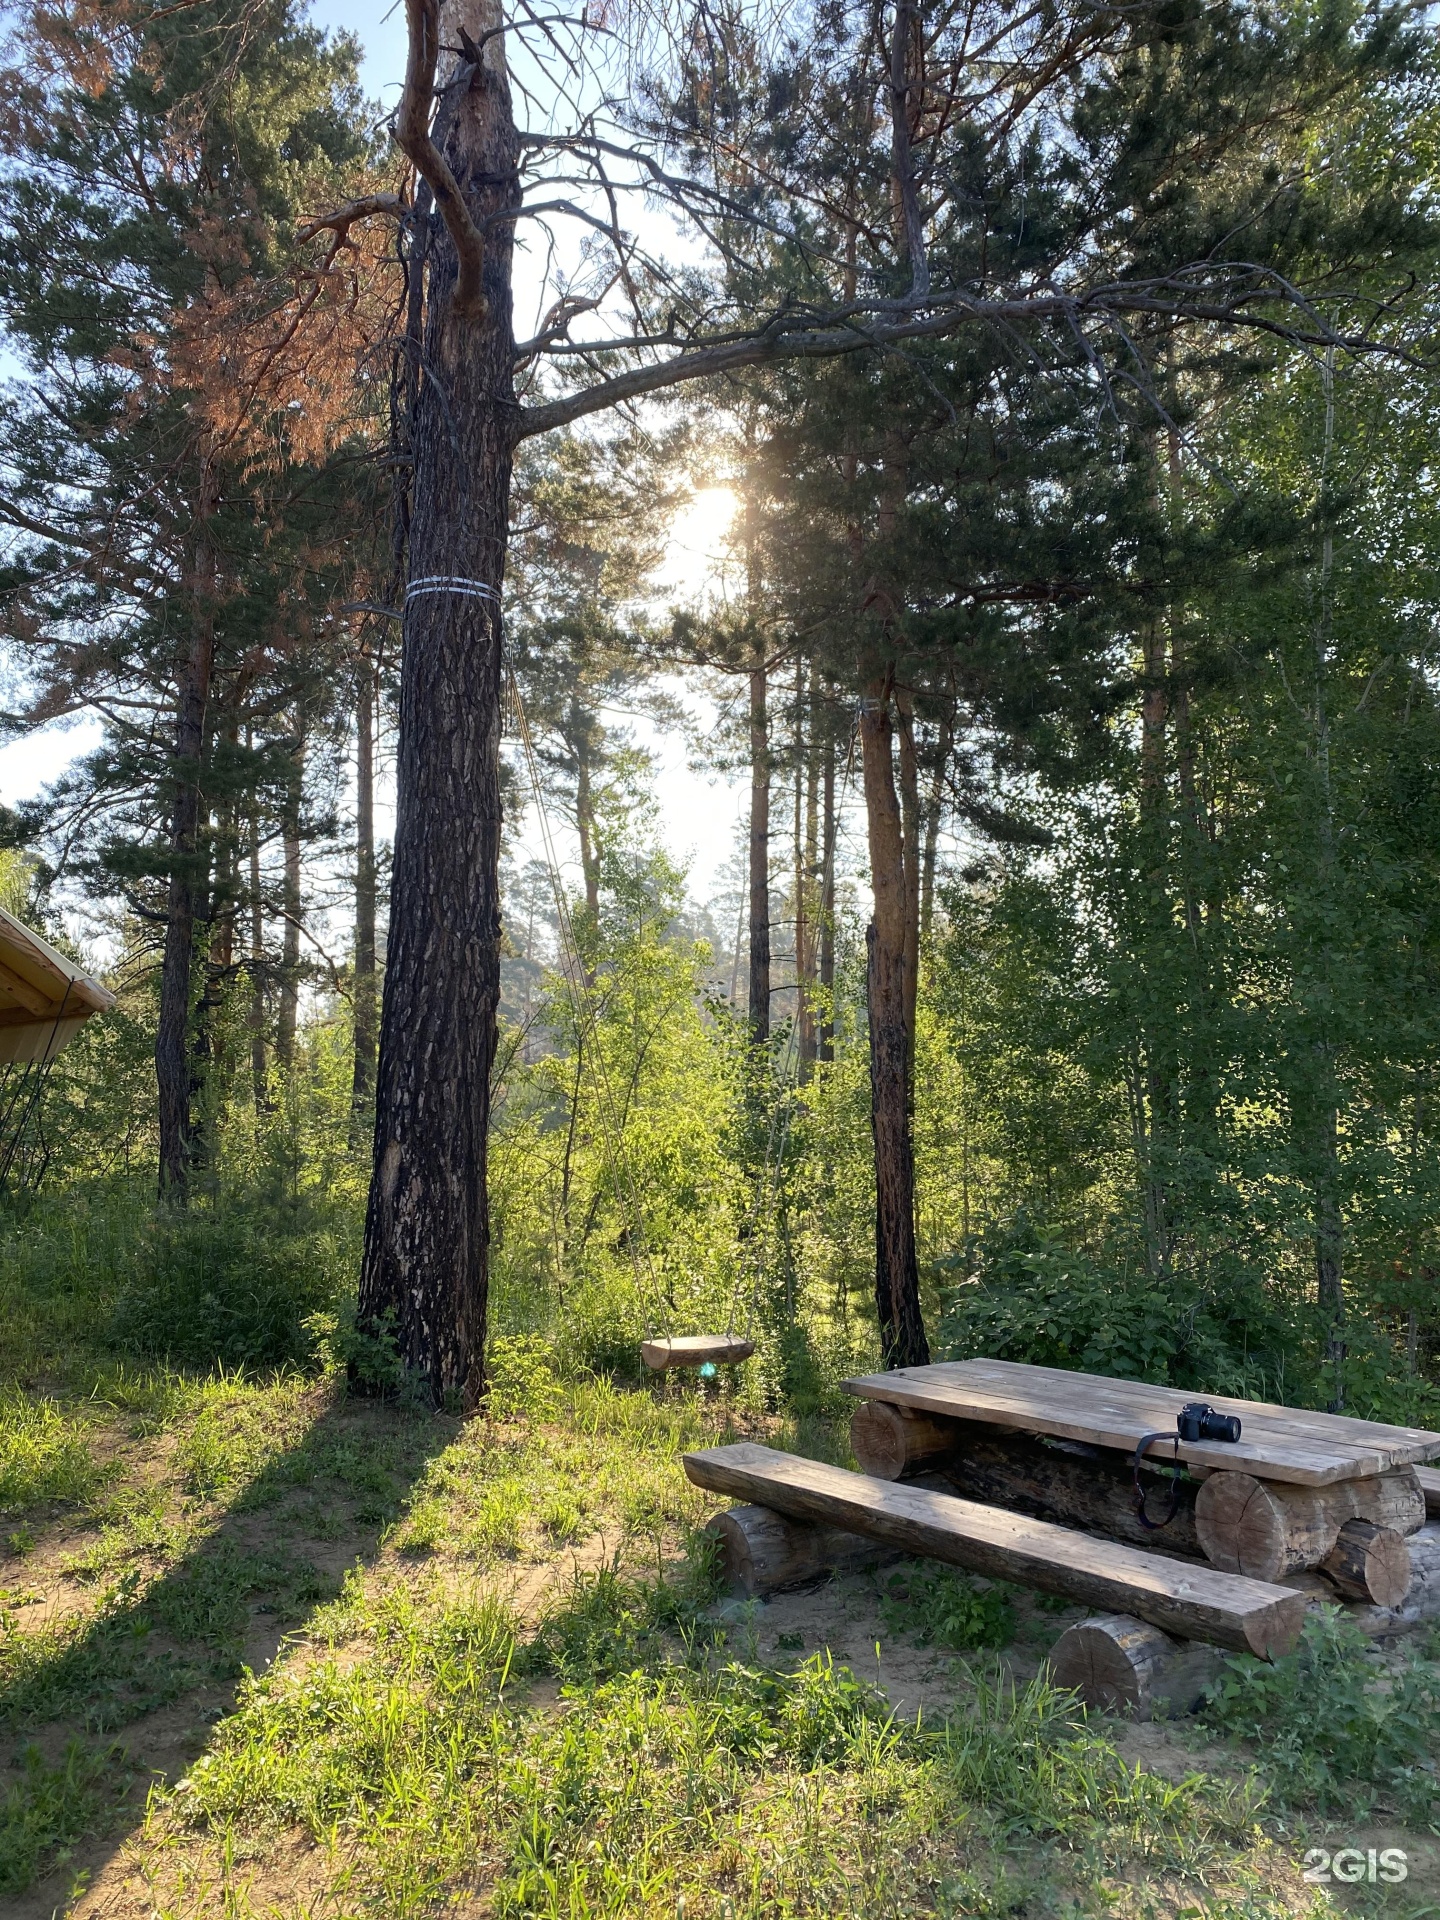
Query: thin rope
x=451, y=583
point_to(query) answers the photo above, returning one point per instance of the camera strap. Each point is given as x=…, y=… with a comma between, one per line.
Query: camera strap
x=1148, y=1440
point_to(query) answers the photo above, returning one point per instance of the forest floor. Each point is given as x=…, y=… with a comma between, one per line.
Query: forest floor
x=267, y=1650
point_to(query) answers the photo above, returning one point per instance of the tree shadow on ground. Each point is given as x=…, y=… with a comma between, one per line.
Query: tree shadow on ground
x=96, y=1709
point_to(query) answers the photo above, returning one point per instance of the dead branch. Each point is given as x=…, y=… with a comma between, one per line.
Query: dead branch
x=412, y=134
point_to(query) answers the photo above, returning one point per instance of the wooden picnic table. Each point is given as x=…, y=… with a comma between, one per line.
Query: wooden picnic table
x=1297, y=1491
x=1276, y=1443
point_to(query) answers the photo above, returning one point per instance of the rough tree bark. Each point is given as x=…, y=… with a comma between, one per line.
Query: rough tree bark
x=172, y=1034
x=366, y=1005
x=425, y=1267
x=292, y=907
x=897, y=1278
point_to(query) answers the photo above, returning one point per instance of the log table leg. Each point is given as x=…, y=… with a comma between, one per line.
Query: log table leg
x=1268, y=1529
x=1370, y=1563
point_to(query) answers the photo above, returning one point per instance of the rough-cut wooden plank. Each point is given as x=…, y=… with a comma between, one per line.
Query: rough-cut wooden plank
x=1276, y=1443
x=1429, y=1478
x=764, y=1552
x=1193, y=1601
x=1118, y=1664
x=696, y=1350
x=1370, y=1563
x=1268, y=1529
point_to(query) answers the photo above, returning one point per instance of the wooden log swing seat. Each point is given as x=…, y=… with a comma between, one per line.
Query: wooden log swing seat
x=695, y=1350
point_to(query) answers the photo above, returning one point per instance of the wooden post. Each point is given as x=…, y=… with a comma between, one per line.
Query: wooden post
x=1118, y=1664
x=891, y=1441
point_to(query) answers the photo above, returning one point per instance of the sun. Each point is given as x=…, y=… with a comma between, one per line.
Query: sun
x=700, y=532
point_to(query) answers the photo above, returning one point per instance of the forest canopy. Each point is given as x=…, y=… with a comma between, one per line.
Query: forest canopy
x=1070, y=371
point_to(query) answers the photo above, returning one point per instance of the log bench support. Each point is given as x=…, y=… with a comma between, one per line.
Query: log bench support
x=1118, y=1664
x=763, y=1552
x=1184, y=1598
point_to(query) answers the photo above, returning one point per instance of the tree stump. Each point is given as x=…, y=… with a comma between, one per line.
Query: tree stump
x=1118, y=1664
x=763, y=1552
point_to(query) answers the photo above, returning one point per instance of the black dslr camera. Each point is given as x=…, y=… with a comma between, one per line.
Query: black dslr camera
x=1200, y=1421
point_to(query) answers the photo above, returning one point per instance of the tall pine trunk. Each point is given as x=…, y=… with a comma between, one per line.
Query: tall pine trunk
x=259, y=1067
x=172, y=1034
x=292, y=907
x=759, y=851
x=825, y=1033
x=806, y=850
x=426, y=1262
x=362, y=1085
x=889, y=999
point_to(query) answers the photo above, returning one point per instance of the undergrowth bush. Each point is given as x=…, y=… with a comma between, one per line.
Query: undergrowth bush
x=1020, y=1293
x=235, y=1284
x=1332, y=1730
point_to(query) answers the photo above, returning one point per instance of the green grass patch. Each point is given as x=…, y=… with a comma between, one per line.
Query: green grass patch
x=44, y=1455
x=49, y=1808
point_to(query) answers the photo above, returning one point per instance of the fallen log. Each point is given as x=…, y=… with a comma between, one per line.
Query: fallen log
x=1268, y=1528
x=764, y=1552
x=1191, y=1600
x=1118, y=1664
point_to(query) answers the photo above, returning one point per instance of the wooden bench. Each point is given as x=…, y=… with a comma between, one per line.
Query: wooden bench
x=1191, y=1600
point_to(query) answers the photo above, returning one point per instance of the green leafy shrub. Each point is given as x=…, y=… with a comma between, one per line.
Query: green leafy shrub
x=43, y=1455
x=241, y=1286
x=1331, y=1732
x=940, y=1607
x=1019, y=1293
x=1024, y=1296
